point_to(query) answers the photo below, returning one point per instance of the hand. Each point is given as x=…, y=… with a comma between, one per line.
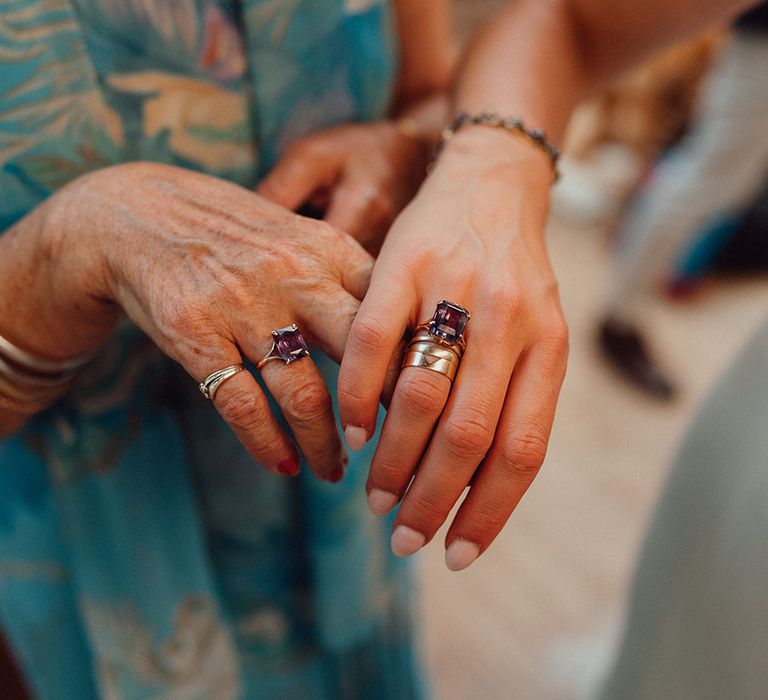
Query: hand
x=359, y=176
x=208, y=270
x=473, y=236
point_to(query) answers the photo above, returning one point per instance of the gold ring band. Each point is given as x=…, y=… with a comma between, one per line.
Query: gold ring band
x=426, y=352
x=423, y=334
x=442, y=365
x=429, y=348
x=210, y=385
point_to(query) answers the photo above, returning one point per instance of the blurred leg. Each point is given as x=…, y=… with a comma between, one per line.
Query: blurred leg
x=717, y=170
x=714, y=173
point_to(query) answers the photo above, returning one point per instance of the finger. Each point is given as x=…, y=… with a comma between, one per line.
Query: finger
x=359, y=207
x=327, y=323
x=302, y=171
x=393, y=374
x=418, y=401
x=515, y=458
x=462, y=437
x=303, y=397
x=353, y=264
x=374, y=339
x=243, y=405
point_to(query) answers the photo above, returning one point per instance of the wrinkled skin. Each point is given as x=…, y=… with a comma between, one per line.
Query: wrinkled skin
x=208, y=270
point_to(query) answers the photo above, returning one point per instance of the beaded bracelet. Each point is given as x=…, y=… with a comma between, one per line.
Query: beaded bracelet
x=513, y=125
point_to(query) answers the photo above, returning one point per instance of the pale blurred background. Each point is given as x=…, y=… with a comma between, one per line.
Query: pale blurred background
x=539, y=615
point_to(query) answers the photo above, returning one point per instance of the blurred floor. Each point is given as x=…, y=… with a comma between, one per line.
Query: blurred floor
x=538, y=615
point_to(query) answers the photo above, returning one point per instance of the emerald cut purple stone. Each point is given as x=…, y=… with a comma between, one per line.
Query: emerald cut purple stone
x=449, y=321
x=290, y=344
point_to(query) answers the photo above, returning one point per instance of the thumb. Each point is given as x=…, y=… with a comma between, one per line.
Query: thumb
x=301, y=172
x=354, y=264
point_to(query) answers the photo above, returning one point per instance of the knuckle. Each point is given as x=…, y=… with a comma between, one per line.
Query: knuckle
x=424, y=508
x=350, y=399
x=381, y=205
x=524, y=454
x=389, y=473
x=241, y=409
x=368, y=334
x=275, y=187
x=558, y=336
x=175, y=319
x=307, y=403
x=489, y=519
x=555, y=342
x=419, y=395
x=323, y=230
x=505, y=303
x=186, y=332
x=469, y=435
x=298, y=148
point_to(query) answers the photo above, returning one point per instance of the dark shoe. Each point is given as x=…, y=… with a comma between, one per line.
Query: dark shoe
x=626, y=351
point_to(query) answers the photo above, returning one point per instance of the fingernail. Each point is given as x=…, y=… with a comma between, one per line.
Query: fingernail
x=356, y=437
x=381, y=502
x=406, y=541
x=289, y=467
x=460, y=554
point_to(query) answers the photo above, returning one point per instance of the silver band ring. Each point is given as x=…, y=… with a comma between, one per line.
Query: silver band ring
x=288, y=346
x=210, y=385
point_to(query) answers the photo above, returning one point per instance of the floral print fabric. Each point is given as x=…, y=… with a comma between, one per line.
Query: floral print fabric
x=142, y=553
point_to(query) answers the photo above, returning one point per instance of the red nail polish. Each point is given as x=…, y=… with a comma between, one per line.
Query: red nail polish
x=336, y=475
x=289, y=467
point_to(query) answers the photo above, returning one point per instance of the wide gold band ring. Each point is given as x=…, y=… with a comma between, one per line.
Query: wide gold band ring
x=447, y=366
x=427, y=352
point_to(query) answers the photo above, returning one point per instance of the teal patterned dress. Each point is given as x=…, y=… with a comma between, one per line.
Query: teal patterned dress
x=142, y=553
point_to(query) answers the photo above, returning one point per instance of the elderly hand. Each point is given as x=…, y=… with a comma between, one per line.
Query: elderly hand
x=473, y=236
x=360, y=176
x=208, y=270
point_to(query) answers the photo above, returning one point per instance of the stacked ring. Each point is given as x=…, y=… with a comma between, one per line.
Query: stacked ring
x=438, y=345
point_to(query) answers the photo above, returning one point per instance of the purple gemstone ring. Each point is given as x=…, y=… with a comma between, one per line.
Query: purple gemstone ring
x=288, y=345
x=448, y=323
x=439, y=344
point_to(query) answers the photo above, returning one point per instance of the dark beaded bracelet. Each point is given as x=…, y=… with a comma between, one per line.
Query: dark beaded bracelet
x=534, y=136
